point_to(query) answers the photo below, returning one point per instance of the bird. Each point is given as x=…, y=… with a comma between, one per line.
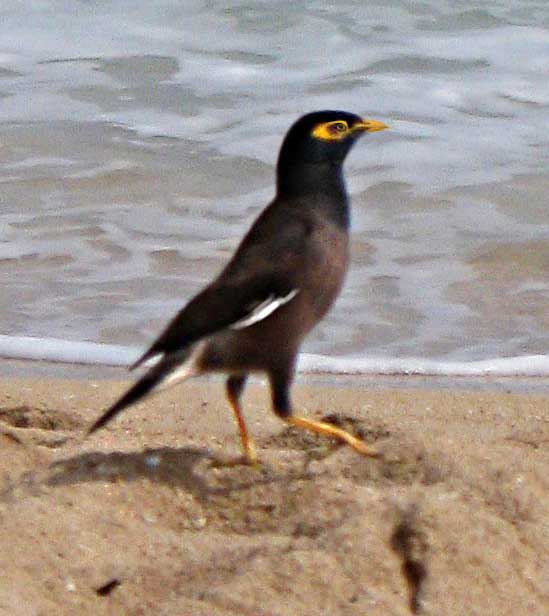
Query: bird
x=281, y=281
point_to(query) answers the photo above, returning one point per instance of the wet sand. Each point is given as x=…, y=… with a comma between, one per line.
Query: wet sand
x=453, y=519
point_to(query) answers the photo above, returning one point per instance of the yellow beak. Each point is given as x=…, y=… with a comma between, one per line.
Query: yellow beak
x=369, y=126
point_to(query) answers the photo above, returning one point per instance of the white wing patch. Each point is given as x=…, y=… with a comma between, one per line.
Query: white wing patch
x=263, y=310
x=181, y=372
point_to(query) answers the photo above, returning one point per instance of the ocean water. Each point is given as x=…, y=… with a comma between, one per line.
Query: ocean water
x=138, y=142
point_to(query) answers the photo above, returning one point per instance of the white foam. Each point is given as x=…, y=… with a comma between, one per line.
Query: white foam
x=66, y=351
x=526, y=365
x=90, y=353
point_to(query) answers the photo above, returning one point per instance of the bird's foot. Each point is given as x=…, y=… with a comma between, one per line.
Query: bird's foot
x=327, y=429
x=249, y=458
x=361, y=447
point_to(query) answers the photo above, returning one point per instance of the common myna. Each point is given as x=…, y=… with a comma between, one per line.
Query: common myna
x=283, y=278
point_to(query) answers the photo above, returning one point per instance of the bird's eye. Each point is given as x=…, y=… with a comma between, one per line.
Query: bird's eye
x=337, y=130
x=338, y=127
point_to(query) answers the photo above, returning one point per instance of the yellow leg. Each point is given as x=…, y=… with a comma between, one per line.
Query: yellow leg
x=326, y=429
x=250, y=455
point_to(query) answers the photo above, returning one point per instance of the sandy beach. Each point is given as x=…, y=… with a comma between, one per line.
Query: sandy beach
x=140, y=519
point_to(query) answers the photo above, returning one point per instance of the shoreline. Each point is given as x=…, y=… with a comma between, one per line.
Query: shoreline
x=29, y=369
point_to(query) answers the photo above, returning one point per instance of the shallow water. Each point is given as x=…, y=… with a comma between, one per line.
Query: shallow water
x=138, y=142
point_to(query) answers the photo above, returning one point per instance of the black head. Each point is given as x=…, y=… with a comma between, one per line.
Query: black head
x=323, y=137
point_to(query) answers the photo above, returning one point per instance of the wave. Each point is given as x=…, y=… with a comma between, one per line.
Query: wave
x=91, y=353
x=66, y=351
x=525, y=365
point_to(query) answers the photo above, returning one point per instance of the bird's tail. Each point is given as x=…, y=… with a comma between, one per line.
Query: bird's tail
x=171, y=369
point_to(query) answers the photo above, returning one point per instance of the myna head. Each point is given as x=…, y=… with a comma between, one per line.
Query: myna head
x=324, y=137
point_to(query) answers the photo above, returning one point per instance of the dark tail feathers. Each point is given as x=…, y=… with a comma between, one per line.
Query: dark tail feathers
x=144, y=386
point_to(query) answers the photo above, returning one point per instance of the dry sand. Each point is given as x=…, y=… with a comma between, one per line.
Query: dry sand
x=137, y=520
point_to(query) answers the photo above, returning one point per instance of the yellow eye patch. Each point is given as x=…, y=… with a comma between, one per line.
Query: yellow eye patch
x=331, y=131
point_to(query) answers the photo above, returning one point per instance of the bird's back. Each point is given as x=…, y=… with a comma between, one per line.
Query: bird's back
x=306, y=252
x=298, y=244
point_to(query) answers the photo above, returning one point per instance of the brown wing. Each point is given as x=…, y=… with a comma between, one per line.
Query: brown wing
x=262, y=268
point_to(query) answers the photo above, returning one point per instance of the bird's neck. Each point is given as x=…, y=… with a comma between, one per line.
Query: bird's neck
x=322, y=183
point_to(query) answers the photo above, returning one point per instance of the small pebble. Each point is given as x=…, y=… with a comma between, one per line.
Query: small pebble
x=199, y=523
x=153, y=460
